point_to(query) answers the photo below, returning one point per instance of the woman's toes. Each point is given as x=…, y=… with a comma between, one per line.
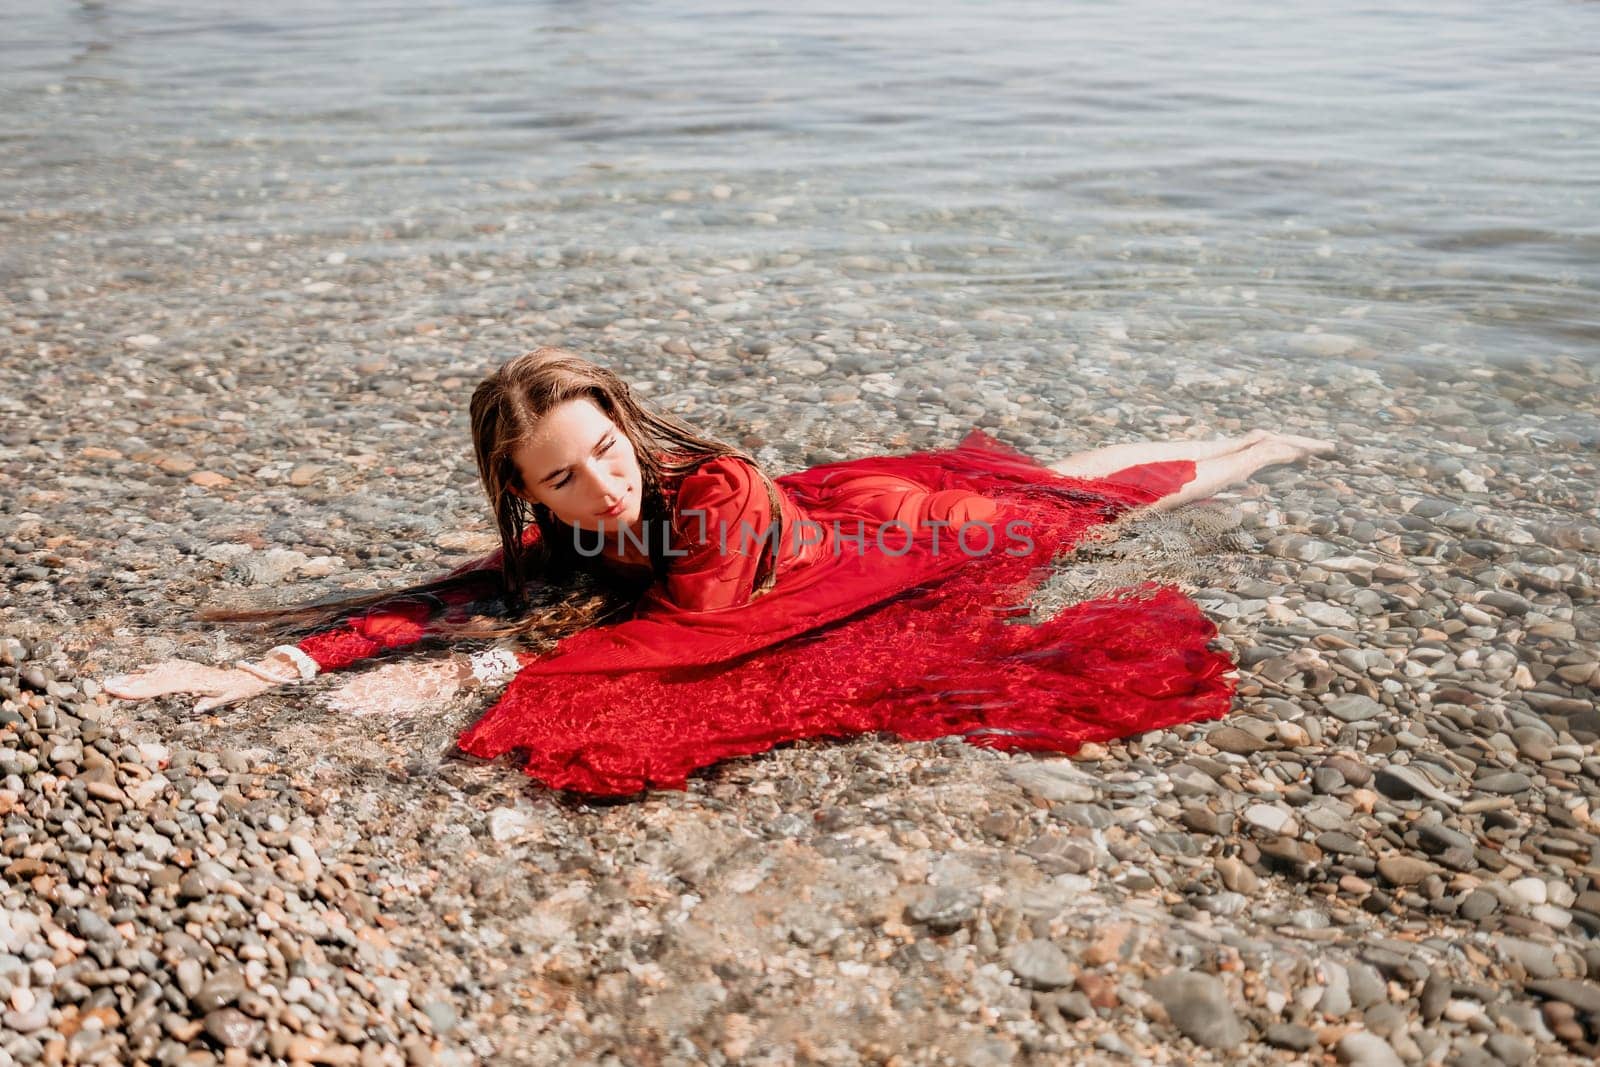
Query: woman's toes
x=1306, y=446
x=1315, y=446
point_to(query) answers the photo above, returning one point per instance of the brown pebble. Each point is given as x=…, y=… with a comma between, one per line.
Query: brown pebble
x=314, y=1051
x=1356, y=887
x=1107, y=948
x=1101, y=989
x=210, y=480
x=107, y=791
x=1405, y=870
x=1235, y=741
x=1237, y=876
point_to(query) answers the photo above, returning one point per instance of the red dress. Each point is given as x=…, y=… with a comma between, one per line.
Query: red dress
x=897, y=608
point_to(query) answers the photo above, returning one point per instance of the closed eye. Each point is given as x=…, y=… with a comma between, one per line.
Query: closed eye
x=600, y=449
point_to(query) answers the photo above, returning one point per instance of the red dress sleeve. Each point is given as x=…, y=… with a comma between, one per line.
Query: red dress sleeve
x=721, y=523
x=405, y=622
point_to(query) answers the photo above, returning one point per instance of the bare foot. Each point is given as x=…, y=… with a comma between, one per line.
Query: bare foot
x=1305, y=446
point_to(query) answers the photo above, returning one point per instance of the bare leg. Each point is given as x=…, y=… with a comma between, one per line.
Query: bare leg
x=1219, y=473
x=1104, y=461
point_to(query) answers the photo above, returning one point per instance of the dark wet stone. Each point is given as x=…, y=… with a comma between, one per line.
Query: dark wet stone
x=1436, y=839
x=1290, y=854
x=1435, y=995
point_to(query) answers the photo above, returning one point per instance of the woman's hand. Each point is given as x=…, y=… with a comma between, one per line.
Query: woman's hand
x=401, y=689
x=219, y=685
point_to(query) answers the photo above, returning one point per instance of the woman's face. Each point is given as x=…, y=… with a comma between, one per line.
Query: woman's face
x=582, y=467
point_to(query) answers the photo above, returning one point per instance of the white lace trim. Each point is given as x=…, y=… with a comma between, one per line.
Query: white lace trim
x=494, y=666
x=303, y=663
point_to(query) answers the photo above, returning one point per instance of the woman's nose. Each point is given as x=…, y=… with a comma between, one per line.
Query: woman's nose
x=605, y=486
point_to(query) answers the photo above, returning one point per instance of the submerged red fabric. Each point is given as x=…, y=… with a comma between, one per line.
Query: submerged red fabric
x=924, y=642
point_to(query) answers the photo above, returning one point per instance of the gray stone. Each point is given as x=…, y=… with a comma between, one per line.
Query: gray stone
x=1509, y=1050
x=94, y=927
x=1335, y=999
x=1353, y=707
x=1468, y=1055
x=945, y=908
x=1405, y=783
x=1386, y=1020
x=220, y=989
x=1367, y=986
x=1533, y=743
x=1436, y=839
x=441, y=1015
x=1435, y=995
x=1290, y=1036
x=1040, y=964
x=1361, y=1049
x=1585, y=996
x=1505, y=783
x=232, y=1028
x=1478, y=904
x=1053, y=781
x=1198, y=1005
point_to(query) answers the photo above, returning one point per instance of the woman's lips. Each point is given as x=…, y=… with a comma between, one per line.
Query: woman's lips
x=617, y=510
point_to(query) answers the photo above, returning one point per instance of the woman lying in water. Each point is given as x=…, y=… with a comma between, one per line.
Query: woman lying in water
x=658, y=602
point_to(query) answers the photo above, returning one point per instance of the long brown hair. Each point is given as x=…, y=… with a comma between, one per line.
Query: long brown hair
x=538, y=588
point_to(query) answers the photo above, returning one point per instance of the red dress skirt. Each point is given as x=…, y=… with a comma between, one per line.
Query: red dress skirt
x=898, y=607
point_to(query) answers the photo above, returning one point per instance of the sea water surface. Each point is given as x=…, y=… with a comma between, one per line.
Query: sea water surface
x=1425, y=178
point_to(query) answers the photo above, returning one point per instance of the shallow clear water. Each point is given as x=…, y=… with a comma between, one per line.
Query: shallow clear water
x=1420, y=182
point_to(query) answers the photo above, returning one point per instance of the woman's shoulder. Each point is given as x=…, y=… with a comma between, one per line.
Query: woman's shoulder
x=712, y=474
x=720, y=485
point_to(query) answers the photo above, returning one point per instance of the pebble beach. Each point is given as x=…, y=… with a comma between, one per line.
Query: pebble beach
x=235, y=368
